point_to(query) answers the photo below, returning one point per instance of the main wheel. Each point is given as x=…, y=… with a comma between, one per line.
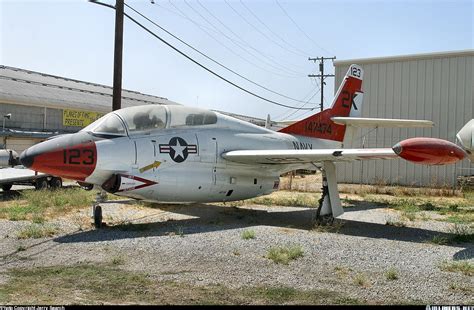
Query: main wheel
x=87, y=187
x=41, y=184
x=56, y=183
x=7, y=187
x=97, y=216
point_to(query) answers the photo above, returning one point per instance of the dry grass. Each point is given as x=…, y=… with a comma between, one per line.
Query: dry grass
x=464, y=267
x=285, y=254
x=391, y=274
x=248, y=234
x=39, y=206
x=285, y=198
x=361, y=280
x=36, y=205
x=37, y=231
x=312, y=183
x=108, y=284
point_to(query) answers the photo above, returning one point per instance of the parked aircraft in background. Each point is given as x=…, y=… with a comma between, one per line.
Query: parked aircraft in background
x=184, y=154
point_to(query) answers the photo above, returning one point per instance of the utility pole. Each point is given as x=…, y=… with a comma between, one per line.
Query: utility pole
x=117, y=91
x=322, y=76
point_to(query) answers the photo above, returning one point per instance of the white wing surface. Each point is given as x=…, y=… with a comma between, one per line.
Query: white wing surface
x=307, y=156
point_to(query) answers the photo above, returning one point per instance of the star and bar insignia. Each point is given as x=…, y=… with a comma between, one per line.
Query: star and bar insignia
x=178, y=149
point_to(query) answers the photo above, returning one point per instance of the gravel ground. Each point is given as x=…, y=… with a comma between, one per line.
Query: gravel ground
x=202, y=245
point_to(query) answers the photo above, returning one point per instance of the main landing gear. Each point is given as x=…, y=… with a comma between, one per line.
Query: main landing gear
x=327, y=219
x=97, y=209
x=329, y=205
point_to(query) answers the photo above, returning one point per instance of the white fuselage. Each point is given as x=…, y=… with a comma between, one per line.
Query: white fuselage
x=194, y=171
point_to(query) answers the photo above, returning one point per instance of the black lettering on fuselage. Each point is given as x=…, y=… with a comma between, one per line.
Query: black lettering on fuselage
x=302, y=146
x=311, y=126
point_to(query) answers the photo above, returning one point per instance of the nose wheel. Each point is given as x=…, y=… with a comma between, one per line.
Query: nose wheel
x=97, y=209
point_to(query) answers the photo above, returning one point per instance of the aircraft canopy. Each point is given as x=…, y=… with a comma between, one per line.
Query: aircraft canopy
x=142, y=120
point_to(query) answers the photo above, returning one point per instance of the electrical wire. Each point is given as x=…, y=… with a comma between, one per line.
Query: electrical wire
x=284, y=116
x=270, y=29
x=300, y=29
x=242, y=40
x=288, y=70
x=262, y=33
x=230, y=49
x=308, y=94
x=211, y=59
x=196, y=62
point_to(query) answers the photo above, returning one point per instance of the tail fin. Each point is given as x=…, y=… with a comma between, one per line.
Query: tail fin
x=347, y=102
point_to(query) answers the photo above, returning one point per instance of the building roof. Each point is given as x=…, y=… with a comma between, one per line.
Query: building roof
x=20, y=86
x=26, y=87
x=469, y=52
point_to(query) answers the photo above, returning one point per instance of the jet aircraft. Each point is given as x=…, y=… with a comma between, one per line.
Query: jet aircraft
x=184, y=154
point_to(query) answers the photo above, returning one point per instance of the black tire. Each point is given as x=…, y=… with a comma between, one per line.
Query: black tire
x=88, y=187
x=41, y=184
x=97, y=217
x=7, y=187
x=55, y=183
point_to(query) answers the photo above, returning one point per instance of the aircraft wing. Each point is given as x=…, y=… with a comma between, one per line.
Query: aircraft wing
x=307, y=156
x=381, y=122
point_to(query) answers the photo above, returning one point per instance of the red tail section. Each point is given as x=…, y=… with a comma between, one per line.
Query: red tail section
x=320, y=125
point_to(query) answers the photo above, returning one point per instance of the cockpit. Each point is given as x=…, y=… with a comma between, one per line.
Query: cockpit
x=142, y=120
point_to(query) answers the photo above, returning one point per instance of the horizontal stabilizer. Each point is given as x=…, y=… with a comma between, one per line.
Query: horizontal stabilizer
x=381, y=122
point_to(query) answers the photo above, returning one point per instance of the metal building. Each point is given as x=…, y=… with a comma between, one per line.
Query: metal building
x=437, y=87
x=42, y=105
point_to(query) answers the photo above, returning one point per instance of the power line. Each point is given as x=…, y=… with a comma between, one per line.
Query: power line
x=228, y=48
x=194, y=61
x=291, y=71
x=269, y=29
x=318, y=89
x=240, y=38
x=308, y=94
x=262, y=33
x=300, y=29
x=214, y=61
x=322, y=76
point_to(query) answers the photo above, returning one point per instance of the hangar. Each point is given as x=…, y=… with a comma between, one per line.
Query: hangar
x=42, y=105
x=435, y=86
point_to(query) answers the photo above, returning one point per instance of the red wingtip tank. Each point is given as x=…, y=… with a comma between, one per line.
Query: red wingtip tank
x=429, y=151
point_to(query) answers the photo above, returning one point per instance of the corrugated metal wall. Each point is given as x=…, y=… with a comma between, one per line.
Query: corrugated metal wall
x=33, y=118
x=437, y=87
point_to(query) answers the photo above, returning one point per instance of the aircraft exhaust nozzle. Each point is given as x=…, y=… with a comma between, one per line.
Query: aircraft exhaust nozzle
x=429, y=151
x=465, y=136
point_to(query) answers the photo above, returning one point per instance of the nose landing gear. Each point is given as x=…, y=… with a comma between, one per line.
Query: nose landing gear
x=97, y=209
x=97, y=216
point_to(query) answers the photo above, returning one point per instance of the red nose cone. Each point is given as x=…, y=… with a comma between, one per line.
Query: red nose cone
x=429, y=151
x=62, y=157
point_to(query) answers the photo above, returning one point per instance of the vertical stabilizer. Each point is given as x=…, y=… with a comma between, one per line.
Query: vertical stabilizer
x=347, y=102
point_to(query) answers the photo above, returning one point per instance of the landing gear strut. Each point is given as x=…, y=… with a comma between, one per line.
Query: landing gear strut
x=97, y=209
x=327, y=219
x=330, y=203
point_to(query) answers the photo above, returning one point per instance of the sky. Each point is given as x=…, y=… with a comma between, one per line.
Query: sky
x=266, y=41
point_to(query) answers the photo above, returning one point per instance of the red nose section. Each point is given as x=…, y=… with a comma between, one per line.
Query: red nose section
x=62, y=158
x=429, y=151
